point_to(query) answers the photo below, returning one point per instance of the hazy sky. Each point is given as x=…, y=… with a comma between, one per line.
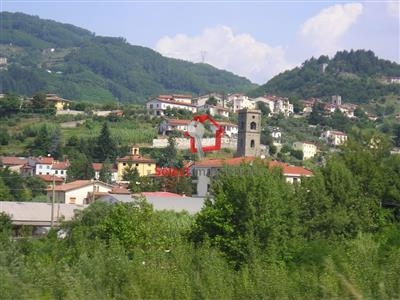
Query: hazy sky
x=255, y=39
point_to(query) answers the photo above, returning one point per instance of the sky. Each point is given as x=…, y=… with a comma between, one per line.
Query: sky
x=255, y=39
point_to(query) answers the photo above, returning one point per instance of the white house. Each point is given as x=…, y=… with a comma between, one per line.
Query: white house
x=77, y=192
x=215, y=110
x=60, y=168
x=169, y=125
x=158, y=106
x=309, y=149
x=200, y=101
x=240, y=101
x=334, y=138
x=44, y=165
x=231, y=130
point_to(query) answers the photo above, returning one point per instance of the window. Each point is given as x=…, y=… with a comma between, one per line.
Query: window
x=124, y=164
x=137, y=165
x=72, y=200
x=149, y=165
x=253, y=126
x=252, y=144
x=158, y=105
x=151, y=106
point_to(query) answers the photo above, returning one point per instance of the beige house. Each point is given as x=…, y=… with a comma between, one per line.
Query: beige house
x=145, y=166
x=77, y=192
x=309, y=149
x=58, y=102
x=334, y=138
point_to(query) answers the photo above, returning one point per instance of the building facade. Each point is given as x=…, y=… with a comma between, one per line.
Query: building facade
x=249, y=131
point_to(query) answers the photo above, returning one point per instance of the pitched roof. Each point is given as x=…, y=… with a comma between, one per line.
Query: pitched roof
x=136, y=159
x=288, y=170
x=78, y=184
x=61, y=165
x=12, y=160
x=44, y=160
x=97, y=166
x=49, y=178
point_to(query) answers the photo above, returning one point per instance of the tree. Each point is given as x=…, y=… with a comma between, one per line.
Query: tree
x=106, y=147
x=42, y=142
x=80, y=168
x=212, y=101
x=55, y=147
x=265, y=111
x=317, y=115
x=132, y=175
x=105, y=173
x=10, y=104
x=251, y=208
x=39, y=101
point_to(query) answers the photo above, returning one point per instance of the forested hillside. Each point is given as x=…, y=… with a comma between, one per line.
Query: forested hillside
x=76, y=64
x=357, y=76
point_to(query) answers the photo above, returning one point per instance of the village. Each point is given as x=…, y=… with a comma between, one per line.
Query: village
x=242, y=138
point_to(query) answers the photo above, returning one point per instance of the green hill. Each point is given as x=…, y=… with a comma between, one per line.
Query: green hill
x=357, y=76
x=76, y=64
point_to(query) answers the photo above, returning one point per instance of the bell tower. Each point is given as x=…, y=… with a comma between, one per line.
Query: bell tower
x=249, y=130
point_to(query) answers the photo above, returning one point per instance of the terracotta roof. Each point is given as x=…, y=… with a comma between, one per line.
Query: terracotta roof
x=49, y=178
x=77, y=184
x=44, y=160
x=136, y=159
x=61, y=165
x=97, y=166
x=119, y=190
x=161, y=194
x=288, y=170
x=12, y=160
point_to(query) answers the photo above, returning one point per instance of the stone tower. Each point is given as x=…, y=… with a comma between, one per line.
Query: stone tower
x=249, y=128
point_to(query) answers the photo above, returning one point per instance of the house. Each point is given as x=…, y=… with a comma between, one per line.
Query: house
x=60, y=168
x=169, y=125
x=58, y=102
x=13, y=163
x=201, y=101
x=187, y=99
x=97, y=168
x=240, y=101
x=145, y=166
x=43, y=165
x=230, y=130
x=334, y=138
x=52, y=179
x=213, y=110
x=268, y=102
x=277, y=104
x=76, y=192
x=204, y=170
x=158, y=106
x=276, y=134
x=309, y=149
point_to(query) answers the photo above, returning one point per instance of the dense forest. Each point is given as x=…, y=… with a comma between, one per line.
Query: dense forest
x=334, y=236
x=45, y=55
x=358, y=76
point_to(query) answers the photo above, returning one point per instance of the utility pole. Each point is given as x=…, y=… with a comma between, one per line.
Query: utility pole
x=52, y=202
